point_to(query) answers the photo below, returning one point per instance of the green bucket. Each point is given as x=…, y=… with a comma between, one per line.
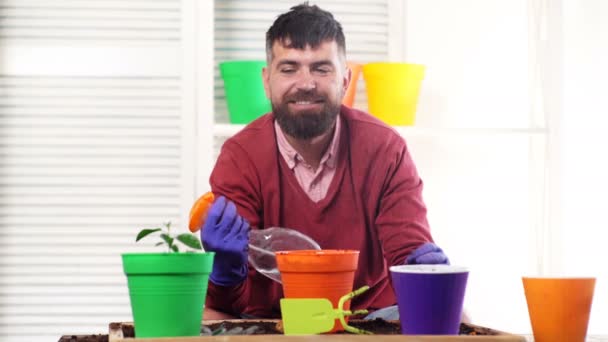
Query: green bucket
x=244, y=90
x=167, y=292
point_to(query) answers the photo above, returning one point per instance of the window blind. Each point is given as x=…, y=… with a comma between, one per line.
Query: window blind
x=91, y=145
x=78, y=20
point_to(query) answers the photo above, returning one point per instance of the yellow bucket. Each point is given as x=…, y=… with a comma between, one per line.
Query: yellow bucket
x=392, y=91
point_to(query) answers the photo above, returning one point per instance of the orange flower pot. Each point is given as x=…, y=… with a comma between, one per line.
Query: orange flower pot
x=351, y=91
x=318, y=274
x=559, y=307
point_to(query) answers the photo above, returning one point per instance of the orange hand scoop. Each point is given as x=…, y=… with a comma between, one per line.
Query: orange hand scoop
x=198, y=213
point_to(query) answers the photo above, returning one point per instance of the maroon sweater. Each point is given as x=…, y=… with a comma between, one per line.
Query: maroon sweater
x=373, y=204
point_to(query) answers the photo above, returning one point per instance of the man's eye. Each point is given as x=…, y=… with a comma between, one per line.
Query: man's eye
x=322, y=70
x=288, y=70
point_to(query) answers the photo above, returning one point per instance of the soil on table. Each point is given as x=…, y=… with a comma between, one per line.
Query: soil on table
x=84, y=338
x=377, y=326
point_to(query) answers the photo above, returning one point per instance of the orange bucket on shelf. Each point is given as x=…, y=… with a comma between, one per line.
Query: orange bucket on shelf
x=559, y=308
x=351, y=91
x=327, y=273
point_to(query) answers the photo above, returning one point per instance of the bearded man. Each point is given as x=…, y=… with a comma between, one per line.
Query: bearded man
x=334, y=173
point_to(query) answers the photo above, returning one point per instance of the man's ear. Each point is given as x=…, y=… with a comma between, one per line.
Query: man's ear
x=347, y=78
x=266, y=79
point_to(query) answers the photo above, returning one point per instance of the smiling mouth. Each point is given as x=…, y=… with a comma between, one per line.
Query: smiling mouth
x=306, y=103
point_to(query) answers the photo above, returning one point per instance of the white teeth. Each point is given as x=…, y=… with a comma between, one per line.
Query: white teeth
x=303, y=102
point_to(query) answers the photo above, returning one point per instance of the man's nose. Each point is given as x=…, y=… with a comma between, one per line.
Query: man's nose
x=306, y=81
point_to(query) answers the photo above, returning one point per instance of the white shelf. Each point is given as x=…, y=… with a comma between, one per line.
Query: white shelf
x=412, y=131
x=227, y=130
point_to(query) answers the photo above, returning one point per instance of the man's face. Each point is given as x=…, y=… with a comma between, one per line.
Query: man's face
x=306, y=88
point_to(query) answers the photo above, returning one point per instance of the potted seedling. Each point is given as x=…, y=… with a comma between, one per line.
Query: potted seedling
x=168, y=289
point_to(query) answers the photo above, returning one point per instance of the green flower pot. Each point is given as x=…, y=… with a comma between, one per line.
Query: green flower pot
x=244, y=88
x=167, y=292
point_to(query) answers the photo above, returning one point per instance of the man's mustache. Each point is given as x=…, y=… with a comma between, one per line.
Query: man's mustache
x=311, y=96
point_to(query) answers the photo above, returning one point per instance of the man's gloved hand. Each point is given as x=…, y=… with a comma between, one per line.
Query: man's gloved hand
x=226, y=233
x=428, y=253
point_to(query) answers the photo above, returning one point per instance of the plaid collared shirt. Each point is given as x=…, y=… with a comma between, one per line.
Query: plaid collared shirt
x=314, y=182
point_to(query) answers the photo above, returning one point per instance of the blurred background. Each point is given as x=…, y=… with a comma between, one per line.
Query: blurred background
x=112, y=114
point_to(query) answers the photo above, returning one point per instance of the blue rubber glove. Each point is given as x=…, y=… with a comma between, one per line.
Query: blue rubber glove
x=226, y=233
x=427, y=254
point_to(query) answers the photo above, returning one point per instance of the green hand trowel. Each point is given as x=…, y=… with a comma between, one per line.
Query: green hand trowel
x=303, y=316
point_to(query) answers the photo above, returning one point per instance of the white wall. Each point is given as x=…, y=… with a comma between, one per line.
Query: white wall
x=585, y=182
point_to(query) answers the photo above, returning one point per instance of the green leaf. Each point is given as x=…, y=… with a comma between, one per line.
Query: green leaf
x=189, y=240
x=168, y=239
x=145, y=232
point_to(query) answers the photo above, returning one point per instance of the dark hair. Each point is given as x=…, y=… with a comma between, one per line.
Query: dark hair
x=304, y=25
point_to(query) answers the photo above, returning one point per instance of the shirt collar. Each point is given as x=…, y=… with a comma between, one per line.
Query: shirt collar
x=292, y=157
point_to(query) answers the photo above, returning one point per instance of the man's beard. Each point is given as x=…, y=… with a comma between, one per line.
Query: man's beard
x=309, y=123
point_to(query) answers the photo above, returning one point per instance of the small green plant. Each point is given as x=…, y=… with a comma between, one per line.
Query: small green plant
x=169, y=240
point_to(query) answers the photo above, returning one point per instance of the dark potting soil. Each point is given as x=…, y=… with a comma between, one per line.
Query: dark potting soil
x=466, y=329
x=84, y=338
x=377, y=326
x=244, y=328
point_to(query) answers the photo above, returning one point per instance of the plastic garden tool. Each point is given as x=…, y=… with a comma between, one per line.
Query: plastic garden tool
x=304, y=316
x=262, y=242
